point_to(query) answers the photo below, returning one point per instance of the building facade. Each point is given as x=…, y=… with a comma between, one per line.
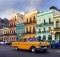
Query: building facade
x=30, y=24
x=45, y=24
x=4, y=23
x=12, y=30
x=57, y=27
x=20, y=29
x=20, y=26
x=6, y=34
x=1, y=34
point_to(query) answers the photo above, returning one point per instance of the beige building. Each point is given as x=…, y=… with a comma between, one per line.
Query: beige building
x=18, y=17
x=57, y=27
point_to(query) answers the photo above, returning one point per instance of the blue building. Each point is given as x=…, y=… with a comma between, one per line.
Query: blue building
x=20, y=29
x=45, y=24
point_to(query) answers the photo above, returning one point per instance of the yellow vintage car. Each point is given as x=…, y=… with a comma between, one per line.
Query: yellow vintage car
x=31, y=44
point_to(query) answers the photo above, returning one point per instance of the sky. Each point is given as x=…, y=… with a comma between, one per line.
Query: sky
x=9, y=7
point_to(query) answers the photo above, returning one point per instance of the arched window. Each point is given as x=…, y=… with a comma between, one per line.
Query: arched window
x=30, y=29
x=30, y=20
x=57, y=24
x=33, y=29
x=44, y=37
x=50, y=37
x=39, y=38
x=27, y=20
x=27, y=30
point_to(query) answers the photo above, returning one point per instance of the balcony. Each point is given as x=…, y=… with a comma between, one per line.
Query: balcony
x=57, y=28
x=30, y=22
x=46, y=24
x=6, y=34
x=30, y=32
x=12, y=26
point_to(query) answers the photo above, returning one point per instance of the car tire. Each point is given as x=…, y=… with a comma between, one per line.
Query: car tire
x=44, y=51
x=33, y=49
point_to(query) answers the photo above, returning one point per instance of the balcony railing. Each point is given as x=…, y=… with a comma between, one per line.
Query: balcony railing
x=30, y=22
x=9, y=34
x=30, y=32
x=12, y=26
x=57, y=28
x=46, y=24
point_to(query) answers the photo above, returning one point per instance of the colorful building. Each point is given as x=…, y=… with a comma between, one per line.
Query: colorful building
x=20, y=29
x=6, y=34
x=1, y=34
x=45, y=24
x=56, y=30
x=30, y=24
x=20, y=26
x=12, y=29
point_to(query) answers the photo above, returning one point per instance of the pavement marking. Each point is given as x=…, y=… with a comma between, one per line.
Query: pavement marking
x=2, y=49
x=58, y=51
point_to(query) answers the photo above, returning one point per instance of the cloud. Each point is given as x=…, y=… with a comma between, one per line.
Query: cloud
x=8, y=7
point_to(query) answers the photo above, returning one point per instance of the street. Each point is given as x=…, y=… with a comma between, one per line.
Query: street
x=8, y=51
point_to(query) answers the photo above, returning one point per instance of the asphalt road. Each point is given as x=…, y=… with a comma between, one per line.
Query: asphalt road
x=8, y=51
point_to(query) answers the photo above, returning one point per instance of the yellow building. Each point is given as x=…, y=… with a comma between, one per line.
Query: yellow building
x=30, y=23
x=6, y=34
x=57, y=27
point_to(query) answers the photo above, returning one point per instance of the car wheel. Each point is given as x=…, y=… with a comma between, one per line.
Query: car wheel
x=33, y=49
x=44, y=50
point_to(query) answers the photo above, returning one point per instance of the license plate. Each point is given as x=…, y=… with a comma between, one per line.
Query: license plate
x=45, y=47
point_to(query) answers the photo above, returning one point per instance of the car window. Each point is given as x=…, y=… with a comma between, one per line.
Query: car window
x=32, y=39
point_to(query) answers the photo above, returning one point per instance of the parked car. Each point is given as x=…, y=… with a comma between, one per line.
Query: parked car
x=55, y=44
x=2, y=42
x=31, y=44
x=51, y=41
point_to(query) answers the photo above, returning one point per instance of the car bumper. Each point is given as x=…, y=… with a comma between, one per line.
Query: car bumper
x=42, y=48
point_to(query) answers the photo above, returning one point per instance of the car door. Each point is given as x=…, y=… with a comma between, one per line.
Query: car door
x=59, y=43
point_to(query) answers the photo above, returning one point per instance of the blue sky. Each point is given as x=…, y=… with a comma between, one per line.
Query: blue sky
x=8, y=7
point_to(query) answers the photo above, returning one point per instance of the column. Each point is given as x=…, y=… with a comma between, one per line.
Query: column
x=53, y=36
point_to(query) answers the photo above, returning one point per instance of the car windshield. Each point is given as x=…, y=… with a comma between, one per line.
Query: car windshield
x=57, y=41
x=33, y=40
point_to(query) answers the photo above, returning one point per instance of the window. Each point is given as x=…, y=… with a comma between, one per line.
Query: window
x=34, y=17
x=49, y=28
x=15, y=18
x=39, y=38
x=39, y=30
x=27, y=29
x=50, y=37
x=27, y=20
x=57, y=24
x=44, y=30
x=30, y=29
x=49, y=20
x=44, y=37
x=33, y=29
x=22, y=18
x=30, y=20
x=44, y=22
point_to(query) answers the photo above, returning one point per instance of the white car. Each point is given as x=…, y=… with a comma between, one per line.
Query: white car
x=2, y=42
